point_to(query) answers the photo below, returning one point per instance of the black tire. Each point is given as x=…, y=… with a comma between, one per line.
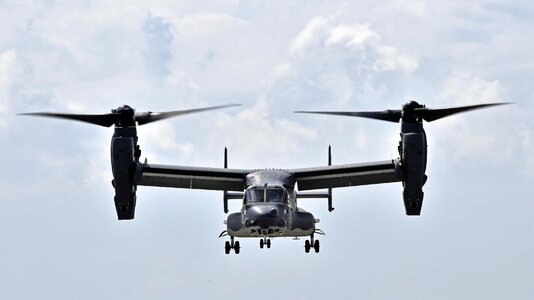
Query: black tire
x=227, y=247
x=261, y=243
x=237, y=247
x=316, y=246
x=307, y=246
x=269, y=244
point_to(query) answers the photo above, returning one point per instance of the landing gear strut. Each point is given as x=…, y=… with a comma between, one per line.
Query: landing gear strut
x=265, y=241
x=308, y=244
x=229, y=245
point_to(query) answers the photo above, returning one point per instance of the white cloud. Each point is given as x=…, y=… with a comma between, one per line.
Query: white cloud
x=338, y=64
x=309, y=35
x=390, y=60
x=322, y=33
x=473, y=134
x=351, y=36
x=260, y=138
x=159, y=143
x=465, y=88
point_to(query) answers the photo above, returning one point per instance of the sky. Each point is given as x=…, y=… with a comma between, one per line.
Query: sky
x=58, y=228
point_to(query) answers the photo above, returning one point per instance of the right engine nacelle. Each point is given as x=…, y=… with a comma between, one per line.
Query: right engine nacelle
x=413, y=166
x=123, y=166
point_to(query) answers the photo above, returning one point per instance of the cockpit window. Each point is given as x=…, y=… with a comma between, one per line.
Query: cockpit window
x=269, y=194
x=276, y=195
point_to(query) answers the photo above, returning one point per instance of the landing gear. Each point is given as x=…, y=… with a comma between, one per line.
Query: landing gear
x=237, y=247
x=229, y=245
x=265, y=242
x=316, y=246
x=308, y=244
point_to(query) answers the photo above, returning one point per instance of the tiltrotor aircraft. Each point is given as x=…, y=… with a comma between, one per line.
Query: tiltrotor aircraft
x=269, y=197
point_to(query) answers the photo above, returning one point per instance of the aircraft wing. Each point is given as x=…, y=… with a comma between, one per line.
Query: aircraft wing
x=348, y=175
x=220, y=179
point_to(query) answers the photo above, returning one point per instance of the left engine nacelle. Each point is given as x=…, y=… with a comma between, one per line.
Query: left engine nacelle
x=413, y=164
x=123, y=167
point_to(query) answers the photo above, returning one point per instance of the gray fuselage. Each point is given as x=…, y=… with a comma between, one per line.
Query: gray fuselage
x=270, y=208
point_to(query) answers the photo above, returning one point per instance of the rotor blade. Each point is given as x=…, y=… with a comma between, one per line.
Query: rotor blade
x=105, y=120
x=430, y=115
x=386, y=115
x=147, y=117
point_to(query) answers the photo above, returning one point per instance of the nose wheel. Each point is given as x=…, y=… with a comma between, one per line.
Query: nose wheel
x=229, y=245
x=265, y=242
x=311, y=243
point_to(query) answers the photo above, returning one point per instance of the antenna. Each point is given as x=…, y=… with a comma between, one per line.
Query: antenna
x=225, y=193
x=330, y=207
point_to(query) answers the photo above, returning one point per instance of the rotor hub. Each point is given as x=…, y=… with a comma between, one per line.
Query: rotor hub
x=408, y=111
x=127, y=116
x=411, y=105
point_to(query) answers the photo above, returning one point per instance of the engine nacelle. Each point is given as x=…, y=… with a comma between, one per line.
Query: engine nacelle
x=123, y=167
x=413, y=166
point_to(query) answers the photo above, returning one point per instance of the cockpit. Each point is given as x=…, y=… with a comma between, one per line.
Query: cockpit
x=271, y=194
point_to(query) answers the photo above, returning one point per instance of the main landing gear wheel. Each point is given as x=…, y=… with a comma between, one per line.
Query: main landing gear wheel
x=316, y=246
x=229, y=245
x=237, y=247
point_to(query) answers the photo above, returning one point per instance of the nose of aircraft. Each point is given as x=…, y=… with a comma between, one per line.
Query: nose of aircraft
x=264, y=216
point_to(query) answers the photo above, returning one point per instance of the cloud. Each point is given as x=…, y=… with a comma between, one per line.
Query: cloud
x=260, y=138
x=333, y=64
x=160, y=143
x=159, y=38
x=466, y=88
x=310, y=35
x=350, y=36
x=474, y=134
x=390, y=60
x=322, y=33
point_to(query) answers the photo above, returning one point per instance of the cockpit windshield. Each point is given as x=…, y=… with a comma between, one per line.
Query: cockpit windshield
x=266, y=194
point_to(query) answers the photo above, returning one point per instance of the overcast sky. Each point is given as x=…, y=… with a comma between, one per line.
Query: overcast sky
x=58, y=228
